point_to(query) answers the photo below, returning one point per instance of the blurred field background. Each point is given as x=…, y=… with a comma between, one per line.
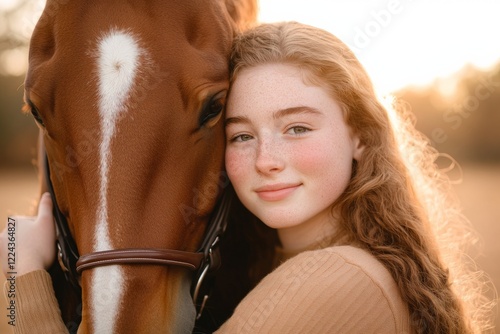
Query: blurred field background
x=458, y=111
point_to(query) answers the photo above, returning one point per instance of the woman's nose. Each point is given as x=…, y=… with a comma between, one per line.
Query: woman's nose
x=269, y=157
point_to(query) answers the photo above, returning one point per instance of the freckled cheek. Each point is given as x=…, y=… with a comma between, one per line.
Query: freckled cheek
x=309, y=158
x=237, y=165
x=323, y=162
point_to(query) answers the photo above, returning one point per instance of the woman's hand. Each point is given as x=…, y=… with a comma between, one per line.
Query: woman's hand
x=35, y=239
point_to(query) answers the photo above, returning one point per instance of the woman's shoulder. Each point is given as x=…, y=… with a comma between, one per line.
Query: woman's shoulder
x=345, y=260
x=346, y=268
x=336, y=289
x=350, y=260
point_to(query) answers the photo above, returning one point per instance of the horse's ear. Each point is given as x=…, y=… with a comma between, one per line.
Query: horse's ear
x=243, y=12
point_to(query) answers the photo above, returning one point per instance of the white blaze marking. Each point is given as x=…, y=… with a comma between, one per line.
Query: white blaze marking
x=118, y=58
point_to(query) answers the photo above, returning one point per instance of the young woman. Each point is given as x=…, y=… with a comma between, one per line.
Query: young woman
x=366, y=223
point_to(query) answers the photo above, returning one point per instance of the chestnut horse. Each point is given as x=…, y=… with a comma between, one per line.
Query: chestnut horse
x=128, y=96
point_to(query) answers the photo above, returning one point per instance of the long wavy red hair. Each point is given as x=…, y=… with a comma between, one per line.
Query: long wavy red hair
x=399, y=206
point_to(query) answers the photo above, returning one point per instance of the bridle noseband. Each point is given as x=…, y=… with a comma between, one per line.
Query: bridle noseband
x=204, y=261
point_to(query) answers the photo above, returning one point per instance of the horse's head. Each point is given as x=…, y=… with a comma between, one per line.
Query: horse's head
x=129, y=97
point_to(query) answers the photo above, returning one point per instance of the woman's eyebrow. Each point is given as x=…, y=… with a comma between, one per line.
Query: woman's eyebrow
x=236, y=120
x=296, y=110
x=277, y=114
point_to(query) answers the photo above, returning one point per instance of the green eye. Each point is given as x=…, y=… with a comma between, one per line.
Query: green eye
x=298, y=130
x=241, y=138
x=245, y=137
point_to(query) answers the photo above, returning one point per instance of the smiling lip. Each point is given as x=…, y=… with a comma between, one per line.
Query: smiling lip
x=276, y=192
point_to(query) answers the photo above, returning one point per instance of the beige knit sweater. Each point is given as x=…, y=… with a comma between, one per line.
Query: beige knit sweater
x=340, y=289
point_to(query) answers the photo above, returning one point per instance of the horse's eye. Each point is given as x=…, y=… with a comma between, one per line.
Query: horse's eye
x=212, y=109
x=34, y=111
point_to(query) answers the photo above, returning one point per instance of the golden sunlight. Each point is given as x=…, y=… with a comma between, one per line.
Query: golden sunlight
x=403, y=42
x=438, y=59
x=400, y=42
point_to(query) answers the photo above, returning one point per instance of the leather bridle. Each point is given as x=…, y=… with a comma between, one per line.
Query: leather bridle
x=204, y=261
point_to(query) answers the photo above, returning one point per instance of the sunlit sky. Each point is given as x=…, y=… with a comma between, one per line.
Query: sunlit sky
x=400, y=42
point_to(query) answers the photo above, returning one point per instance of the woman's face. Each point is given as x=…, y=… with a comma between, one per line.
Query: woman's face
x=289, y=152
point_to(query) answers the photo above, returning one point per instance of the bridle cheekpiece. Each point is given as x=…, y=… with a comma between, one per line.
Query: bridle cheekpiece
x=204, y=261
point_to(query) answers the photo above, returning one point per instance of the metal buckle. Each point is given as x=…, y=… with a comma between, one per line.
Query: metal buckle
x=210, y=262
x=60, y=259
x=197, y=290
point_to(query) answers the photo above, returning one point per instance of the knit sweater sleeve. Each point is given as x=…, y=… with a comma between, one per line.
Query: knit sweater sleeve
x=334, y=290
x=37, y=310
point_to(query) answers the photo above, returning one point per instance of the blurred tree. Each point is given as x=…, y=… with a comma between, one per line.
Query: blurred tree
x=17, y=21
x=18, y=131
x=466, y=124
